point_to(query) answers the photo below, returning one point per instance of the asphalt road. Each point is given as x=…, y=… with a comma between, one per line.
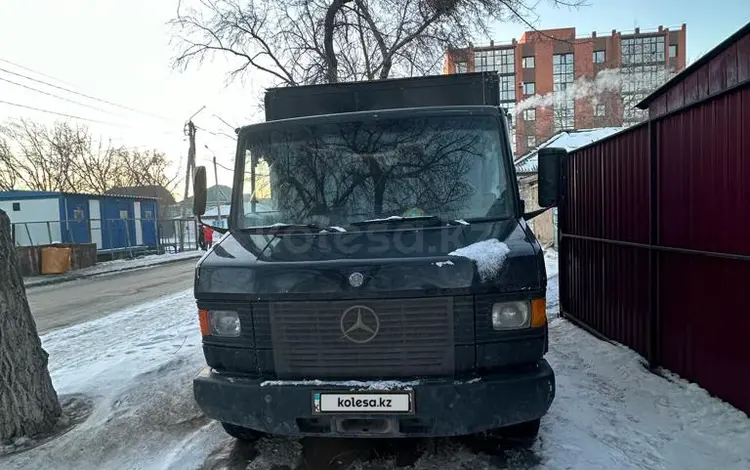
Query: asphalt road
x=69, y=303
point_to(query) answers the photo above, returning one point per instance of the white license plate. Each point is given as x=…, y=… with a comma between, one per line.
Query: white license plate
x=393, y=402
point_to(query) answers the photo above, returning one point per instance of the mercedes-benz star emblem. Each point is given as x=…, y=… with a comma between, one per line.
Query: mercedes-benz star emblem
x=360, y=324
x=356, y=279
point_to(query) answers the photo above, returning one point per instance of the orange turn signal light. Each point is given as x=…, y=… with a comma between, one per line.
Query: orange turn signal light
x=203, y=321
x=538, y=312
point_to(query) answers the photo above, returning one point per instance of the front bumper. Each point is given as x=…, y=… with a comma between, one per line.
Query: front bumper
x=442, y=407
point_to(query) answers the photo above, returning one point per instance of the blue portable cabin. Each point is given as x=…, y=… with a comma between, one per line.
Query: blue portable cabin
x=112, y=222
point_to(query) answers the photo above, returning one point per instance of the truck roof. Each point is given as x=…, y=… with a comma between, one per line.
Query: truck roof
x=465, y=89
x=374, y=114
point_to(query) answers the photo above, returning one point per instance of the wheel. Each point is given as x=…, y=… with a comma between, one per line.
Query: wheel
x=518, y=435
x=242, y=434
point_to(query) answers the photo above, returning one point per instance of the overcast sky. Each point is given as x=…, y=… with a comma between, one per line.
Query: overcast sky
x=118, y=50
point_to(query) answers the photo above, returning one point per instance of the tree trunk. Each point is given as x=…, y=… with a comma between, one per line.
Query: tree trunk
x=28, y=401
x=329, y=26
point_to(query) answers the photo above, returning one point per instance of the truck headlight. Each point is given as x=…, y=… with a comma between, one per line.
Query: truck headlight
x=220, y=323
x=511, y=315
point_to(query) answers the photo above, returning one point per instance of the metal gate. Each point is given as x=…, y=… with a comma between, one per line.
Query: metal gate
x=655, y=242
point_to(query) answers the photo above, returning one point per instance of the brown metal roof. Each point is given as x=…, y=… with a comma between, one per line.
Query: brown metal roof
x=704, y=59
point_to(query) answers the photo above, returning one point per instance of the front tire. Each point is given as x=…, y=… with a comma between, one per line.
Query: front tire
x=519, y=435
x=241, y=433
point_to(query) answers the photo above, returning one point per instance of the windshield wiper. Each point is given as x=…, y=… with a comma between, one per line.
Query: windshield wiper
x=289, y=228
x=281, y=228
x=397, y=220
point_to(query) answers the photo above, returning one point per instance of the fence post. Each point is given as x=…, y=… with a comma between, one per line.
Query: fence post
x=182, y=234
x=28, y=233
x=562, y=241
x=159, y=231
x=654, y=256
x=109, y=234
x=127, y=236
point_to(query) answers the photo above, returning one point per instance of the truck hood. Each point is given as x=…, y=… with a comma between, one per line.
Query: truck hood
x=488, y=256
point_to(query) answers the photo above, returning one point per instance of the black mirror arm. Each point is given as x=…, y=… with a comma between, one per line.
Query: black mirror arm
x=532, y=214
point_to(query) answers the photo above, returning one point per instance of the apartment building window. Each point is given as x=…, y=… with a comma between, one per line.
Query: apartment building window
x=530, y=141
x=507, y=88
x=462, y=67
x=510, y=108
x=529, y=114
x=563, y=117
x=672, y=51
x=529, y=88
x=562, y=71
x=599, y=57
x=600, y=110
x=563, y=75
x=501, y=61
x=528, y=62
x=642, y=50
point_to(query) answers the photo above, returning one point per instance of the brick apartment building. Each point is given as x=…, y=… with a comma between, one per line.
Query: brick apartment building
x=550, y=61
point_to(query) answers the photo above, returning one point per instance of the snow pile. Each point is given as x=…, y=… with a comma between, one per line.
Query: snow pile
x=489, y=256
x=143, y=262
x=114, y=266
x=137, y=366
x=611, y=412
x=440, y=264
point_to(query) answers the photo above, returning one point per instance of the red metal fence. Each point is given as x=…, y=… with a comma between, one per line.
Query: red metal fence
x=655, y=242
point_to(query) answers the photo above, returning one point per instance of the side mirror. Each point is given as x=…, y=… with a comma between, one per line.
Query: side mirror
x=200, y=191
x=550, y=165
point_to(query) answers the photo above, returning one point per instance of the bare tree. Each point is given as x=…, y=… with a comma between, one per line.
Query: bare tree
x=65, y=157
x=33, y=161
x=8, y=177
x=325, y=41
x=29, y=403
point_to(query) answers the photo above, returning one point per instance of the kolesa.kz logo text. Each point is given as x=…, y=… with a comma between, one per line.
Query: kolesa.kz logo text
x=362, y=403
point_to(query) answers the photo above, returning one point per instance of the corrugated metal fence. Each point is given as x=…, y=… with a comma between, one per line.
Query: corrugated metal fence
x=655, y=242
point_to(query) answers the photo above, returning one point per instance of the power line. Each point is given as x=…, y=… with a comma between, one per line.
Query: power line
x=35, y=71
x=217, y=163
x=72, y=116
x=217, y=133
x=58, y=97
x=83, y=94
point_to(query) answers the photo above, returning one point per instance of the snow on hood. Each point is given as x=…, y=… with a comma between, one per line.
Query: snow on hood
x=488, y=255
x=353, y=384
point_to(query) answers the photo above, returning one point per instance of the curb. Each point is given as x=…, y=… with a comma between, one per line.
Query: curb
x=75, y=277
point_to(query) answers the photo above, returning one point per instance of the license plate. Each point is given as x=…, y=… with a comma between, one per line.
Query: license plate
x=364, y=403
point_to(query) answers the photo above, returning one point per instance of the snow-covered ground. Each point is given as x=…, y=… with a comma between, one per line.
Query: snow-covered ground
x=117, y=265
x=609, y=413
x=142, y=262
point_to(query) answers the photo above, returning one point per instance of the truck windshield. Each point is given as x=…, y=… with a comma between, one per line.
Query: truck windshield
x=339, y=173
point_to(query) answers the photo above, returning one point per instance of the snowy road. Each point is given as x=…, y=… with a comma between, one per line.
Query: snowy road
x=69, y=303
x=610, y=412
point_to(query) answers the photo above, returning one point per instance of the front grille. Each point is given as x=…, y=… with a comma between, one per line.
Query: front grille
x=415, y=338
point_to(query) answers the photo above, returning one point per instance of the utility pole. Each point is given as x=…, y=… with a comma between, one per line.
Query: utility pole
x=189, y=130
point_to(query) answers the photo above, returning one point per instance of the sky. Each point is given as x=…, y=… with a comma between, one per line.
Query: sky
x=119, y=51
